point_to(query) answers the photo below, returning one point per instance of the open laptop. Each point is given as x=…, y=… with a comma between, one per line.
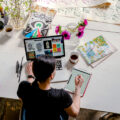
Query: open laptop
x=50, y=45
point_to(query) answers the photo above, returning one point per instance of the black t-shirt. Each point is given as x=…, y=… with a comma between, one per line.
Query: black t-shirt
x=43, y=104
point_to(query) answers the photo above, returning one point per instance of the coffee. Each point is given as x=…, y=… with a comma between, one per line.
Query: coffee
x=74, y=57
x=8, y=29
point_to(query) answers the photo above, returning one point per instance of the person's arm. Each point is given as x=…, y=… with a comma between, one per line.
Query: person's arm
x=23, y=90
x=73, y=110
x=29, y=72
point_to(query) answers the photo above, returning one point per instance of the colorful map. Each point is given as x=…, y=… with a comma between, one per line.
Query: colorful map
x=95, y=49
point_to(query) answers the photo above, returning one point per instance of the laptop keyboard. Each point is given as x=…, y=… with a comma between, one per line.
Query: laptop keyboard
x=58, y=65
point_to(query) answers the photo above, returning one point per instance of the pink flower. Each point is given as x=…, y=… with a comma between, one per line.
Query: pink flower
x=57, y=29
x=66, y=35
x=80, y=34
x=81, y=28
x=85, y=22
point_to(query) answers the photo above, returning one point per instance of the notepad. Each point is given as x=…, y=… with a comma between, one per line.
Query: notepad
x=71, y=83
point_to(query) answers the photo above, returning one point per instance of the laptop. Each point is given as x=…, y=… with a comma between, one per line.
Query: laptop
x=49, y=45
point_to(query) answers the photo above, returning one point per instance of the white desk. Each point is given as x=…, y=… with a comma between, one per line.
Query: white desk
x=103, y=90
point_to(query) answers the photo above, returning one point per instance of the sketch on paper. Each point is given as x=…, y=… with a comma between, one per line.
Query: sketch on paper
x=58, y=3
x=109, y=15
x=90, y=3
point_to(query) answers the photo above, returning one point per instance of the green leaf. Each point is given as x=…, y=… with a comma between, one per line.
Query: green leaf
x=33, y=11
x=14, y=9
x=26, y=3
x=6, y=8
x=27, y=10
x=11, y=4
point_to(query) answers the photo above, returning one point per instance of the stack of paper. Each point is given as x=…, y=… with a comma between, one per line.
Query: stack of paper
x=39, y=22
x=92, y=3
x=96, y=51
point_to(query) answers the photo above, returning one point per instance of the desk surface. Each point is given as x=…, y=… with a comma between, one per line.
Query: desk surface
x=103, y=90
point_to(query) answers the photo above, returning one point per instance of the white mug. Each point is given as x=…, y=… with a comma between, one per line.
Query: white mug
x=74, y=57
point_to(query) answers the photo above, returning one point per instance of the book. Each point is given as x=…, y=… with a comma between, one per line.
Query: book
x=95, y=50
x=70, y=86
x=39, y=22
x=113, y=49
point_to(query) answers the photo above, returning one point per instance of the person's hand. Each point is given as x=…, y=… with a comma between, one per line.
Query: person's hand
x=29, y=72
x=78, y=81
x=29, y=69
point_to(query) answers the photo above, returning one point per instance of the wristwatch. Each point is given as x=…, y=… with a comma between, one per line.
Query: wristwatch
x=30, y=76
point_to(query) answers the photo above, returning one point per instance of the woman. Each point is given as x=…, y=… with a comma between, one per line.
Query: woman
x=42, y=102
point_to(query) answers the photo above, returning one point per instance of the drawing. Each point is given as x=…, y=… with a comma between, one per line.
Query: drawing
x=47, y=44
x=44, y=32
x=39, y=47
x=31, y=55
x=58, y=3
x=30, y=47
x=109, y=15
x=40, y=19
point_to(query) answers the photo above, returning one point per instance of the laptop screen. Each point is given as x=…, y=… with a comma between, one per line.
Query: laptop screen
x=50, y=45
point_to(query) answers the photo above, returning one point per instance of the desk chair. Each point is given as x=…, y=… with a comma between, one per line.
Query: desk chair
x=23, y=115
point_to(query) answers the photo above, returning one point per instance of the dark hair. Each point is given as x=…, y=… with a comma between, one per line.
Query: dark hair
x=43, y=67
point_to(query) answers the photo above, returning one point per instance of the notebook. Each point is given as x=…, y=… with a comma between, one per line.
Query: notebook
x=95, y=49
x=70, y=86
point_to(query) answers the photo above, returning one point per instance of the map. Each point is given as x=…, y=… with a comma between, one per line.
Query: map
x=95, y=49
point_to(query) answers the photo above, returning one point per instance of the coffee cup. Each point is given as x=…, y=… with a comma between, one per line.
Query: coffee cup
x=74, y=57
x=9, y=30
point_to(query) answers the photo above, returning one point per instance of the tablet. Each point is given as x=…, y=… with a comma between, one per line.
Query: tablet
x=70, y=86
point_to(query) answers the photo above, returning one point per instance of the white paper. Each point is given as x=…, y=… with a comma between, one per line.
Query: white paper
x=109, y=15
x=91, y=3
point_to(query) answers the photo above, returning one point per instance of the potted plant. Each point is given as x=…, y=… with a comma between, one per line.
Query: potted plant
x=17, y=10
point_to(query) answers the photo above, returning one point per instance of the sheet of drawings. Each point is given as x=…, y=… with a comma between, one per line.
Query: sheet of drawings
x=71, y=3
x=90, y=3
x=109, y=15
x=58, y=3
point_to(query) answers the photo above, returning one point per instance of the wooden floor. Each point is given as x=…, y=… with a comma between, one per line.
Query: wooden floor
x=10, y=110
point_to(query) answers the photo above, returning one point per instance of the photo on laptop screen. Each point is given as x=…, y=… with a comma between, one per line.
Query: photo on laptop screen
x=50, y=45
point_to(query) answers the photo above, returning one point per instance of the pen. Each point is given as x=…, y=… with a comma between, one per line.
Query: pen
x=17, y=68
x=20, y=70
